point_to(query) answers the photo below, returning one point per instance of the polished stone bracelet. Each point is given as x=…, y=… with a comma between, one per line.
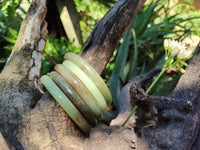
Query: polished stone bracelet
x=88, y=83
x=92, y=74
x=79, y=90
x=65, y=103
x=74, y=97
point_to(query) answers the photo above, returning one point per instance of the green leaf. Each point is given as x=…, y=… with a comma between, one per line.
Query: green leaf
x=154, y=34
x=165, y=25
x=134, y=59
x=9, y=39
x=142, y=19
x=119, y=68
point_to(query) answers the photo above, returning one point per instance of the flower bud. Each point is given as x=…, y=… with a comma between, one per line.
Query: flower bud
x=166, y=44
x=182, y=70
x=171, y=61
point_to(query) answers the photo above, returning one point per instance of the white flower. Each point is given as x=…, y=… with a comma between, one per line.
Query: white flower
x=172, y=46
x=184, y=54
x=176, y=48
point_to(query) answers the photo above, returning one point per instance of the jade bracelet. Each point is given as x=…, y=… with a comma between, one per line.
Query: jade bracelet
x=73, y=97
x=88, y=83
x=91, y=73
x=65, y=103
x=80, y=89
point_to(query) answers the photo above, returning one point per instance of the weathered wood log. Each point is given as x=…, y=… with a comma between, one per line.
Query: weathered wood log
x=177, y=117
x=20, y=79
x=125, y=101
x=26, y=124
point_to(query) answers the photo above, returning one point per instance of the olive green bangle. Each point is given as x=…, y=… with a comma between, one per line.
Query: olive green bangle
x=65, y=103
x=73, y=97
x=88, y=83
x=91, y=73
x=80, y=89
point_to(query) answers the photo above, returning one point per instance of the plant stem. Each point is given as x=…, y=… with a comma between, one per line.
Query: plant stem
x=133, y=110
x=154, y=82
x=147, y=91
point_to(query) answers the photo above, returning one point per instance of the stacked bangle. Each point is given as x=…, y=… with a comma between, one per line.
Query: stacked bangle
x=87, y=82
x=92, y=74
x=74, y=97
x=65, y=103
x=79, y=90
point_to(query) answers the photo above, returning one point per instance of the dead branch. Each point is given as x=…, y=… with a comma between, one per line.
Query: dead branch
x=102, y=42
x=20, y=79
x=176, y=118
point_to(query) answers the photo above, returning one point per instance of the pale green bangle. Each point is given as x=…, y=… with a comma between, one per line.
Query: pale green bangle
x=73, y=97
x=65, y=103
x=92, y=74
x=80, y=89
x=88, y=83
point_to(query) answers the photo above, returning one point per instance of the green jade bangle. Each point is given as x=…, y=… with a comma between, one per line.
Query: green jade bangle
x=88, y=83
x=91, y=73
x=80, y=89
x=65, y=103
x=73, y=97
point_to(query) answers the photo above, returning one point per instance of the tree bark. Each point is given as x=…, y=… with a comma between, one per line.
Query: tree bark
x=31, y=121
x=177, y=117
x=20, y=79
x=27, y=123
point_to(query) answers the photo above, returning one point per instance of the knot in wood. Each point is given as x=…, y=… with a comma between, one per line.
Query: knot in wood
x=137, y=92
x=187, y=105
